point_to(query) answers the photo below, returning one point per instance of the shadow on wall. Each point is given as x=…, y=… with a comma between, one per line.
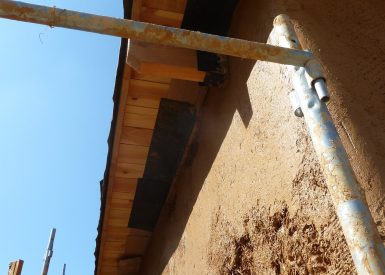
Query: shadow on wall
x=352, y=50
x=215, y=119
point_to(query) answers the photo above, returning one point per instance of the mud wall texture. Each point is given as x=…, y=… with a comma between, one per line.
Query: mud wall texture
x=251, y=198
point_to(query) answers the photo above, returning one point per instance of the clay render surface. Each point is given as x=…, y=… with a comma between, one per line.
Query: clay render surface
x=250, y=197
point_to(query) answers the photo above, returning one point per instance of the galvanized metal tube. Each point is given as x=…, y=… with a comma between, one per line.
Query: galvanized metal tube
x=321, y=89
x=358, y=226
x=151, y=33
x=49, y=252
x=295, y=103
x=361, y=233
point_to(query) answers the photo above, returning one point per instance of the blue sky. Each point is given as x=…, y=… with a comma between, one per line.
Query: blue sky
x=56, y=90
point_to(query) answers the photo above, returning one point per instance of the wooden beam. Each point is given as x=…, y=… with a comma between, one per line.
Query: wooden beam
x=174, y=72
x=136, y=245
x=173, y=5
x=161, y=17
x=136, y=9
x=114, y=237
x=129, y=266
x=112, y=255
x=110, y=262
x=152, y=78
x=185, y=91
x=118, y=246
x=164, y=61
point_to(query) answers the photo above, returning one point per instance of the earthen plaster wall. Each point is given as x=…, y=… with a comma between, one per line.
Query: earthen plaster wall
x=251, y=198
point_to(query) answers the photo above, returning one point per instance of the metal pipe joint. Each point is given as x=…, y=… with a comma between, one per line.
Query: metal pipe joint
x=286, y=36
x=285, y=32
x=295, y=104
x=316, y=79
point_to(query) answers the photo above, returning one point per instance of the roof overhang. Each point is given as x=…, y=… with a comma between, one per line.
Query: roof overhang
x=158, y=92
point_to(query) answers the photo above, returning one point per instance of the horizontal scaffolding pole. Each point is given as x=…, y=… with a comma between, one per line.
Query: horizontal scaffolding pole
x=151, y=33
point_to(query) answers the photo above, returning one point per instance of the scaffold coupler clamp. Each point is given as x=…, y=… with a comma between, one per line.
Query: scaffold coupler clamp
x=316, y=81
x=286, y=36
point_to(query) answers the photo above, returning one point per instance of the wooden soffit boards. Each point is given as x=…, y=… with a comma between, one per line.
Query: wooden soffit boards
x=120, y=248
x=174, y=125
x=148, y=121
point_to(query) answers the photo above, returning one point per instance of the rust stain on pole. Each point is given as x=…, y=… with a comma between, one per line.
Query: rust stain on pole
x=151, y=33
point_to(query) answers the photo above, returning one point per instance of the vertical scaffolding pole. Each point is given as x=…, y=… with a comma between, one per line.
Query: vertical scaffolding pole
x=349, y=200
x=357, y=223
x=49, y=252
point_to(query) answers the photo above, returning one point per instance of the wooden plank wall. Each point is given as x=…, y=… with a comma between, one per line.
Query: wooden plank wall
x=15, y=267
x=121, y=248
